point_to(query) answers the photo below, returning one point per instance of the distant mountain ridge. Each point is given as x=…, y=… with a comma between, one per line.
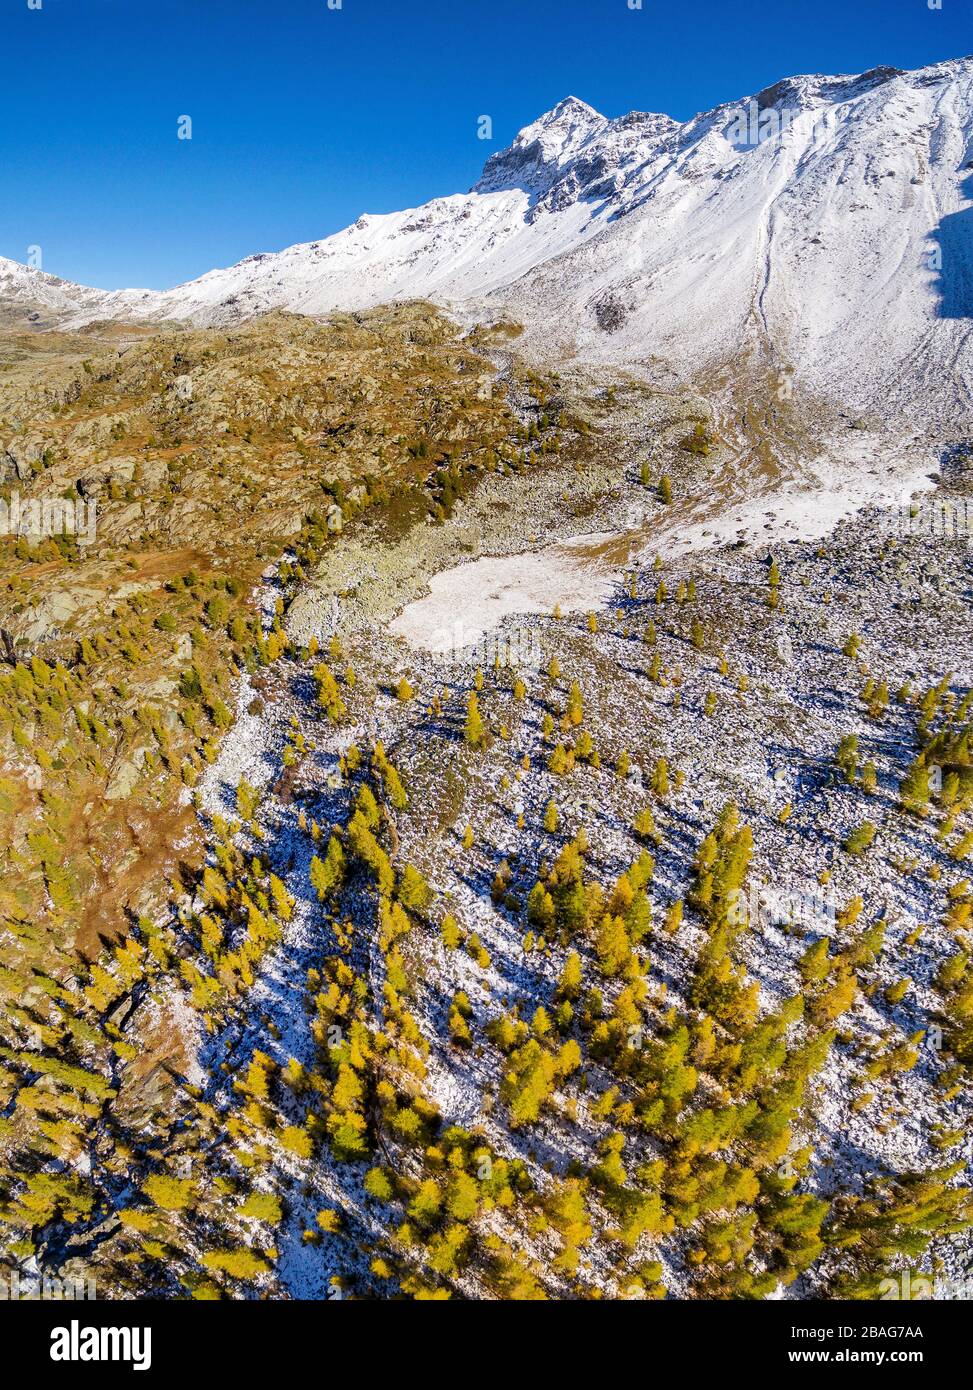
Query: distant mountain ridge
x=822, y=227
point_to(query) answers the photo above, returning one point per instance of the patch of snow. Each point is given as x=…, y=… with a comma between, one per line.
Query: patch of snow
x=468, y=601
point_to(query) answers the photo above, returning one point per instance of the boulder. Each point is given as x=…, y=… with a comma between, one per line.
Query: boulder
x=23, y=454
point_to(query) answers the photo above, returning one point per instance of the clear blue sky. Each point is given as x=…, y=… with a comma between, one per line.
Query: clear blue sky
x=305, y=116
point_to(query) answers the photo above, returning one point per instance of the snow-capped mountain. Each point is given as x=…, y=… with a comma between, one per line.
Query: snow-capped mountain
x=821, y=229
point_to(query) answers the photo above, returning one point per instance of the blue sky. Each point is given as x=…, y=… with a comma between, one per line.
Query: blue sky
x=305, y=116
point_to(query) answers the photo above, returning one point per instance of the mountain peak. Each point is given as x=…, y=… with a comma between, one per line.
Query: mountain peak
x=571, y=105
x=542, y=148
x=649, y=233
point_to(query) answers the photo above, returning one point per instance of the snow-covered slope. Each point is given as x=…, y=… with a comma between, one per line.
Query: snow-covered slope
x=841, y=248
x=822, y=227
x=31, y=295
